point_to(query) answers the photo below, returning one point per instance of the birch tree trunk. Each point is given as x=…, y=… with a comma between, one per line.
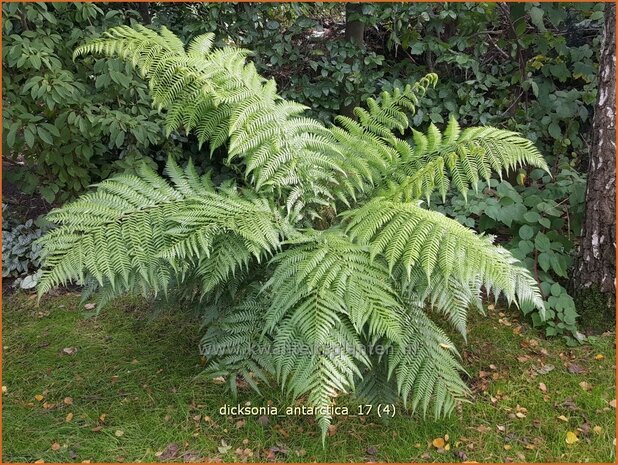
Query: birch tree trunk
x=595, y=265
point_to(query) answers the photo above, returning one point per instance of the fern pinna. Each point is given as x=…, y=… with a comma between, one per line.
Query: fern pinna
x=377, y=272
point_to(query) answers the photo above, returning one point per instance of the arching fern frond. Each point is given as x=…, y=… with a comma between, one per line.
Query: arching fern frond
x=141, y=233
x=458, y=158
x=406, y=234
x=224, y=100
x=426, y=368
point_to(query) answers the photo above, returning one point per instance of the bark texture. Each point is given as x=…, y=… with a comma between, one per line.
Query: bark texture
x=595, y=265
x=355, y=33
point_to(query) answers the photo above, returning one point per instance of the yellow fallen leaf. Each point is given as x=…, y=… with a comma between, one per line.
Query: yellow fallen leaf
x=119, y=433
x=69, y=417
x=612, y=403
x=563, y=418
x=507, y=447
x=447, y=447
x=597, y=429
x=571, y=438
x=599, y=357
x=520, y=415
x=39, y=397
x=3, y=389
x=39, y=461
x=445, y=346
x=438, y=443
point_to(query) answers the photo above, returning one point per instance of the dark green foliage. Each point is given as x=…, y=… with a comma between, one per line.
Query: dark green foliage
x=21, y=256
x=70, y=123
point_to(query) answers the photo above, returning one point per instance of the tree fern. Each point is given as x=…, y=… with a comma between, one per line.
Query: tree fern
x=273, y=265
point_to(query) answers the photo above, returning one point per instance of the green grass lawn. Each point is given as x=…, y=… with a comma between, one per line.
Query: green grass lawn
x=124, y=387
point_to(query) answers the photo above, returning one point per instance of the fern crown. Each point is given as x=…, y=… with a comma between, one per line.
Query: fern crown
x=324, y=241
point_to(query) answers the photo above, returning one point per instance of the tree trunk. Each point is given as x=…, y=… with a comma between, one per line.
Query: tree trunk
x=595, y=265
x=144, y=11
x=354, y=28
x=355, y=33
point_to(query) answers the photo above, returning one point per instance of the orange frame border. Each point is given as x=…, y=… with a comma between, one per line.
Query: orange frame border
x=296, y=1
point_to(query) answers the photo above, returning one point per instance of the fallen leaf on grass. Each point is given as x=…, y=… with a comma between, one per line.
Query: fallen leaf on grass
x=571, y=438
x=191, y=457
x=543, y=370
x=4, y=389
x=599, y=357
x=39, y=397
x=575, y=369
x=612, y=403
x=507, y=447
x=119, y=433
x=597, y=430
x=55, y=446
x=69, y=350
x=170, y=452
x=68, y=401
x=332, y=430
x=563, y=418
x=585, y=386
x=438, y=443
x=69, y=417
x=96, y=429
x=243, y=454
x=542, y=387
x=90, y=306
x=223, y=448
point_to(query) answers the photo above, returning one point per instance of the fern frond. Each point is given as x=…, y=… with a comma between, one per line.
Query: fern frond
x=140, y=232
x=406, y=234
x=426, y=368
x=458, y=158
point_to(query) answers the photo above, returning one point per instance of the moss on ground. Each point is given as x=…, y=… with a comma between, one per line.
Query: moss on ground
x=125, y=387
